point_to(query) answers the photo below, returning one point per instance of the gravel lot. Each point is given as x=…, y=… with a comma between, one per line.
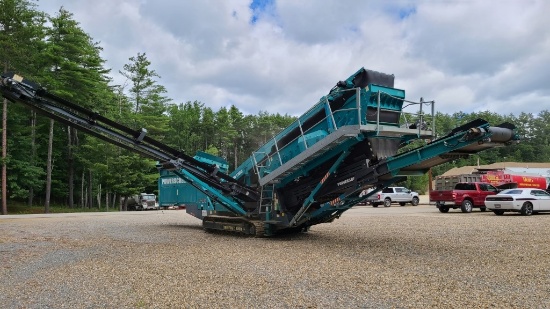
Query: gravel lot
x=397, y=257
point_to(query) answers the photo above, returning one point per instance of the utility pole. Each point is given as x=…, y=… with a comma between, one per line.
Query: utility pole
x=4, y=155
x=4, y=151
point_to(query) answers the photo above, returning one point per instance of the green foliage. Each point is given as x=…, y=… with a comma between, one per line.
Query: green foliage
x=25, y=169
x=146, y=108
x=21, y=42
x=21, y=35
x=187, y=130
x=145, y=92
x=532, y=130
x=213, y=151
x=416, y=183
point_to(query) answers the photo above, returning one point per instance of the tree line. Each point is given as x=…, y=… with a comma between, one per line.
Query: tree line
x=46, y=162
x=534, y=146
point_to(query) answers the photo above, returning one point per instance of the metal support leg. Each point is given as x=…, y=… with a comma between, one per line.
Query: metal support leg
x=310, y=200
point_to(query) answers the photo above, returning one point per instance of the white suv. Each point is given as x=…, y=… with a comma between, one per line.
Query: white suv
x=391, y=195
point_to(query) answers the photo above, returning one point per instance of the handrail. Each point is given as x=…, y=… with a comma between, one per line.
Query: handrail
x=331, y=114
x=302, y=132
x=327, y=103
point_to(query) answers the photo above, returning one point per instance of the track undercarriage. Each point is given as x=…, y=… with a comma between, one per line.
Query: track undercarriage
x=234, y=224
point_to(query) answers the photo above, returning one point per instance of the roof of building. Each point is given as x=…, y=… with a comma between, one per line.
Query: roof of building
x=538, y=171
x=460, y=170
x=524, y=167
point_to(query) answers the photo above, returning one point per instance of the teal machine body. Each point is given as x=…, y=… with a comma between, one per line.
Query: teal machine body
x=351, y=140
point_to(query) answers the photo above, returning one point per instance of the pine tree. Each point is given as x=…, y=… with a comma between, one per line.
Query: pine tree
x=21, y=29
x=78, y=75
x=149, y=112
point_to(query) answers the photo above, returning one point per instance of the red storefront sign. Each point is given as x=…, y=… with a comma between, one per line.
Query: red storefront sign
x=499, y=178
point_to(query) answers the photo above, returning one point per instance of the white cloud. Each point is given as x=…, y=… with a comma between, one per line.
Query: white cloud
x=466, y=55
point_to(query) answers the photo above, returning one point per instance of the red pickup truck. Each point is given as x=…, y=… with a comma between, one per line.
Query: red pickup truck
x=465, y=195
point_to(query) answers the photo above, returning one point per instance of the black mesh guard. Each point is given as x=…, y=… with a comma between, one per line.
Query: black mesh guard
x=374, y=77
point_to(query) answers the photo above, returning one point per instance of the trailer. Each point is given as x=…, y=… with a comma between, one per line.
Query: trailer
x=175, y=192
x=499, y=179
x=349, y=141
x=505, y=180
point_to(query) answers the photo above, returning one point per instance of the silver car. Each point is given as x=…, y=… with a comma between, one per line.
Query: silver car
x=391, y=195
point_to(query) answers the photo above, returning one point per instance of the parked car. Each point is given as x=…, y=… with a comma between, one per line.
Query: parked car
x=524, y=201
x=391, y=195
x=465, y=195
x=363, y=193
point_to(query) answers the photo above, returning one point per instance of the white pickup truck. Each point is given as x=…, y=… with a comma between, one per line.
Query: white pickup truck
x=391, y=195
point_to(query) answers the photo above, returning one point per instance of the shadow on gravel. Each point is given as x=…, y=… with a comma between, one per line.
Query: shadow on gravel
x=279, y=237
x=181, y=226
x=489, y=213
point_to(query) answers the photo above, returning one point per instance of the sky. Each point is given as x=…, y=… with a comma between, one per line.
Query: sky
x=282, y=56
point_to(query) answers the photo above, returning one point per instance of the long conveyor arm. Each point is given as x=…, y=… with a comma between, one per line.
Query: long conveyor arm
x=205, y=177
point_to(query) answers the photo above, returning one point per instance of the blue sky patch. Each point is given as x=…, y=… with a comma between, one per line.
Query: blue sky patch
x=260, y=7
x=406, y=12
